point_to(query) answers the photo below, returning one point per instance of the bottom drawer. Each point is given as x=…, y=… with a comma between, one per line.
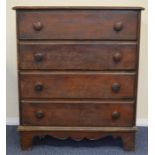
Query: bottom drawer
x=77, y=113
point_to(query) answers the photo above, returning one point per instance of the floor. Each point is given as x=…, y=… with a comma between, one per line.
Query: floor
x=52, y=146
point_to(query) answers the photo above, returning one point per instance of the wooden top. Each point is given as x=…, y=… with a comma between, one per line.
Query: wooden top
x=75, y=8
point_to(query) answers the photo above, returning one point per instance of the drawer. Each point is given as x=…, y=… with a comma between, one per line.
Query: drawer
x=77, y=24
x=77, y=56
x=77, y=85
x=77, y=113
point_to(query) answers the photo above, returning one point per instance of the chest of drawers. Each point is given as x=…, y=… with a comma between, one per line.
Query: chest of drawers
x=78, y=71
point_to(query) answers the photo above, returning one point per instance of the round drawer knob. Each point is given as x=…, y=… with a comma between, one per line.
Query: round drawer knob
x=117, y=57
x=38, y=57
x=115, y=115
x=38, y=87
x=37, y=26
x=116, y=87
x=39, y=114
x=118, y=26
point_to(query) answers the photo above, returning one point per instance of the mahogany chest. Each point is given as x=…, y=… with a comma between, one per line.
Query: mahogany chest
x=78, y=72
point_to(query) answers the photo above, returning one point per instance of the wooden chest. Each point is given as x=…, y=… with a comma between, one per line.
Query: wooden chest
x=78, y=72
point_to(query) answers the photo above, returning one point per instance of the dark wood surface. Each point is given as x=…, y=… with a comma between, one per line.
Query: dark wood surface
x=78, y=24
x=128, y=138
x=76, y=85
x=78, y=66
x=77, y=55
x=76, y=8
x=77, y=114
x=85, y=129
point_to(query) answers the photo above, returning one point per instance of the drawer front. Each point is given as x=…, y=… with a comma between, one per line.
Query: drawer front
x=77, y=113
x=77, y=85
x=77, y=56
x=78, y=24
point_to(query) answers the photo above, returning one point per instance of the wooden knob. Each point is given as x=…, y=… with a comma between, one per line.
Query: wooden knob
x=115, y=115
x=38, y=87
x=39, y=114
x=116, y=87
x=117, y=57
x=37, y=26
x=38, y=57
x=118, y=26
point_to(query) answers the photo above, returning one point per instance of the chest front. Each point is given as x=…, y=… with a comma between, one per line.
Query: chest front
x=78, y=71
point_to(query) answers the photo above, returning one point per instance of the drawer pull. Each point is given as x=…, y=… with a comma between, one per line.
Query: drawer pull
x=39, y=114
x=117, y=57
x=116, y=87
x=38, y=87
x=118, y=26
x=38, y=57
x=115, y=115
x=37, y=26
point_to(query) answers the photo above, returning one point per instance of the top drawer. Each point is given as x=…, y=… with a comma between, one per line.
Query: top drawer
x=77, y=24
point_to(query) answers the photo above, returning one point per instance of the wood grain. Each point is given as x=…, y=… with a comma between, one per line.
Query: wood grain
x=78, y=24
x=30, y=8
x=77, y=114
x=76, y=85
x=88, y=129
x=128, y=138
x=78, y=66
x=77, y=56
